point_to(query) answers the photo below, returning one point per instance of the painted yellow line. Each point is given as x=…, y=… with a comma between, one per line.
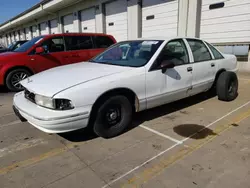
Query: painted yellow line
x=39, y=158
x=155, y=170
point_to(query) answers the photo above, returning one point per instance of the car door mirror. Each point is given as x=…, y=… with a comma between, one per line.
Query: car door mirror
x=40, y=50
x=166, y=64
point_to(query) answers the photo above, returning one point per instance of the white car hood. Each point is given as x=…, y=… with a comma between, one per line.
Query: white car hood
x=52, y=81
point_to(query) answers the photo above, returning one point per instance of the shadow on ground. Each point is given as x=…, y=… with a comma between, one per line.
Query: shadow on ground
x=86, y=134
x=79, y=135
x=193, y=131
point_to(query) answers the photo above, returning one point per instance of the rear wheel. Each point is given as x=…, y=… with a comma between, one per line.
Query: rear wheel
x=14, y=77
x=113, y=117
x=227, y=86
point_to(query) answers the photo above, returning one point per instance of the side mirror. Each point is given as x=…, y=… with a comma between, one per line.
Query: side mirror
x=40, y=50
x=166, y=64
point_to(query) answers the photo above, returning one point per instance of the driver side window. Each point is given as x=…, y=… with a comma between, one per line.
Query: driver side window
x=54, y=45
x=175, y=52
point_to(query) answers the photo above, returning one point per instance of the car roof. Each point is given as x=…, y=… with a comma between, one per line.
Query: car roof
x=77, y=34
x=166, y=38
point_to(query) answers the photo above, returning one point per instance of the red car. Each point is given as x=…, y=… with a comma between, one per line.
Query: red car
x=45, y=52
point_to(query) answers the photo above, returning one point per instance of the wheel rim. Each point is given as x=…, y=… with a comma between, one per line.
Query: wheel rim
x=16, y=78
x=112, y=115
x=232, y=88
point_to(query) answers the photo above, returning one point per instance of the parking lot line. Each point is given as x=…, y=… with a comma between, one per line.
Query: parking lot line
x=209, y=125
x=162, y=135
x=175, y=145
x=155, y=170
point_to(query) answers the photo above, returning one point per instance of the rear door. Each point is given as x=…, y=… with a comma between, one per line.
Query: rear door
x=79, y=48
x=204, y=68
x=54, y=55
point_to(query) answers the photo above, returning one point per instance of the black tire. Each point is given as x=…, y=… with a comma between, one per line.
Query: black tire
x=12, y=77
x=106, y=127
x=227, y=86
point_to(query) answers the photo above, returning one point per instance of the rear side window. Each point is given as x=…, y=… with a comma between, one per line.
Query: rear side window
x=102, y=41
x=216, y=53
x=200, y=51
x=78, y=43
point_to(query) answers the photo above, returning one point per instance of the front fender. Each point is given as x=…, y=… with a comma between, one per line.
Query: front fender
x=4, y=68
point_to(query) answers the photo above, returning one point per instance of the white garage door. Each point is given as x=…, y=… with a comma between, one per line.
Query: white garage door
x=43, y=28
x=27, y=33
x=225, y=21
x=117, y=19
x=68, y=23
x=88, y=20
x=9, y=40
x=21, y=34
x=34, y=32
x=16, y=36
x=54, y=26
x=159, y=18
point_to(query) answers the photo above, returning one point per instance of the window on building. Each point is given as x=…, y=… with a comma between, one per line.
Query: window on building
x=103, y=41
x=78, y=42
x=200, y=51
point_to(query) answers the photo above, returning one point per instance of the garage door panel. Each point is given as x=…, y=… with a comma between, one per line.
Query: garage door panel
x=225, y=12
x=226, y=19
x=27, y=33
x=116, y=19
x=162, y=9
x=54, y=26
x=88, y=21
x=227, y=34
x=159, y=18
x=34, y=32
x=159, y=27
x=68, y=23
x=231, y=39
x=43, y=28
x=169, y=32
x=167, y=22
x=227, y=27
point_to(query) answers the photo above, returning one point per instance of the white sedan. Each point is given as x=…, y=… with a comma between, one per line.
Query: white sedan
x=129, y=77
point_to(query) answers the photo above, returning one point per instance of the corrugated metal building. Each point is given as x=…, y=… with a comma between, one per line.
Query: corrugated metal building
x=225, y=23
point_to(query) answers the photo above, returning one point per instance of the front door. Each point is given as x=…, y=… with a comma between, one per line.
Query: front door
x=55, y=55
x=173, y=84
x=204, y=67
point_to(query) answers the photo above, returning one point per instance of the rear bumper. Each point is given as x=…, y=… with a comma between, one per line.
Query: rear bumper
x=50, y=121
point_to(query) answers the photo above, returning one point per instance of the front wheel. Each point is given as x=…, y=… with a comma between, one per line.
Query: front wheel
x=14, y=77
x=113, y=117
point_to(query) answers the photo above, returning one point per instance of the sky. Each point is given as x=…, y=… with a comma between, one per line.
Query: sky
x=10, y=8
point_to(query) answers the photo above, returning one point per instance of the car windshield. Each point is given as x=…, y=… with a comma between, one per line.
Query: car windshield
x=130, y=53
x=26, y=46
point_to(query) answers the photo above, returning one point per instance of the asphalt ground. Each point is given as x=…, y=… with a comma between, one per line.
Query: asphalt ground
x=195, y=142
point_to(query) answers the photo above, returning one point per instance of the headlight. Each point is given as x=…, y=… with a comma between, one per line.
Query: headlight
x=57, y=104
x=44, y=101
x=63, y=104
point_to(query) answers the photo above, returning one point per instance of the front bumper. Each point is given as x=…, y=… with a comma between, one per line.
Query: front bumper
x=47, y=120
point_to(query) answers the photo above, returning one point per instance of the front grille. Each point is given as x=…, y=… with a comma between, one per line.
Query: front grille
x=29, y=95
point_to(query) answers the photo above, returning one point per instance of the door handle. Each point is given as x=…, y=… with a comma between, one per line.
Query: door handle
x=212, y=64
x=189, y=69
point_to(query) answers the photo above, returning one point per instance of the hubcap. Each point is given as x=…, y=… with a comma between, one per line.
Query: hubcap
x=113, y=116
x=232, y=88
x=16, y=78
